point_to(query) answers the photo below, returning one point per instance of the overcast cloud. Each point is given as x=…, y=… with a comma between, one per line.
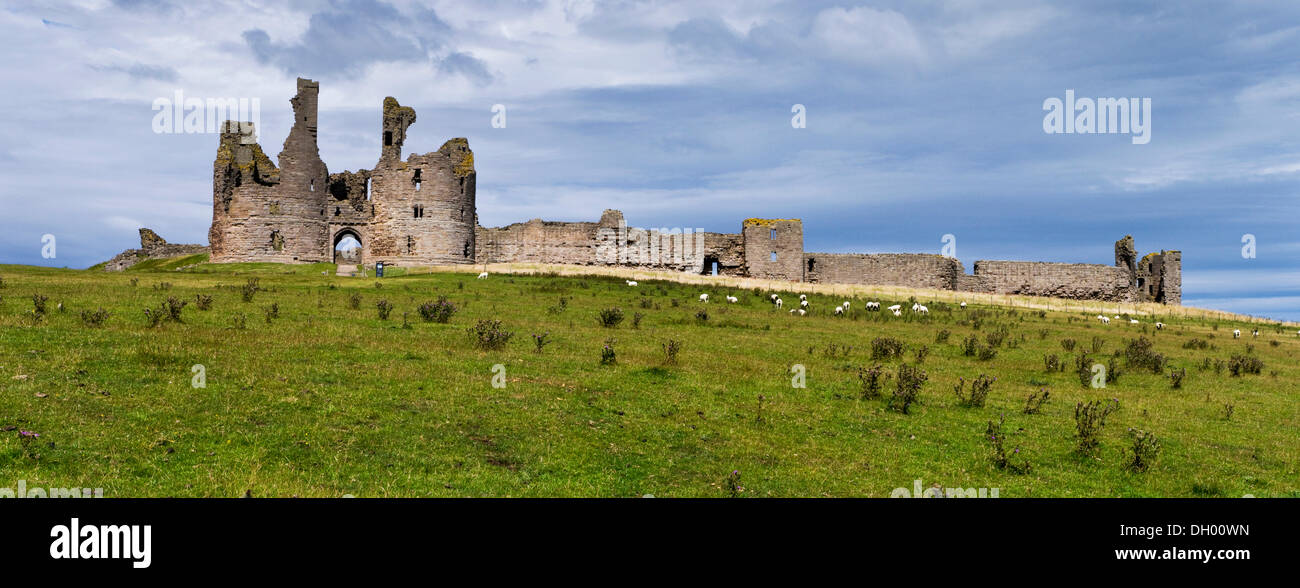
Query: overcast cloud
x=923, y=118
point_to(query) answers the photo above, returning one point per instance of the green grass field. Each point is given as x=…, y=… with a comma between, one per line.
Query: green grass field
x=328, y=400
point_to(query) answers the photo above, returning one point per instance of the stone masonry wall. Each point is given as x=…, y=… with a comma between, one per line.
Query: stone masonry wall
x=913, y=270
x=1061, y=280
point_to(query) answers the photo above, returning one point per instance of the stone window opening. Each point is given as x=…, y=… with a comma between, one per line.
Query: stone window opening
x=465, y=250
x=416, y=180
x=277, y=241
x=418, y=209
x=337, y=211
x=773, y=257
x=812, y=264
x=388, y=138
x=410, y=245
x=367, y=188
x=773, y=233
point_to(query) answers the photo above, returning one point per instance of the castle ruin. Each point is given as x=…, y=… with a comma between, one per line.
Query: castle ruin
x=421, y=211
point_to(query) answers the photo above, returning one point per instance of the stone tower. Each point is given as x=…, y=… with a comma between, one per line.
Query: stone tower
x=269, y=214
x=423, y=208
x=773, y=248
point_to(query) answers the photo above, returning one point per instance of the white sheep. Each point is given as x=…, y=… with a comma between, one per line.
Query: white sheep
x=915, y=305
x=846, y=305
x=920, y=308
x=482, y=276
x=895, y=308
x=631, y=282
x=778, y=303
x=773, y=297
x=963, y=305
x=803, y=303
x=732, y=299
x=1159, y=325
x=1254, y=333
x=873, y=305
x=1236, y=333
x=704, y=297
x=803, y=297
x=839, y=310
x=898, y=312
x=1105, y=320
x=802, y=312
x=1132, y=321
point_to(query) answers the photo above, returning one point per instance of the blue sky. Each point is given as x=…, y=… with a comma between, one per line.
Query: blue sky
x=924, y=118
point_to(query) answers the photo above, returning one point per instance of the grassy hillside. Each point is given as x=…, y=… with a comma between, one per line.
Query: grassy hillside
x=308, y=396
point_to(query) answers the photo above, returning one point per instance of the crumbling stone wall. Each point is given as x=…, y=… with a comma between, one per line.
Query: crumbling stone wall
x=773, y=248
x=151, y=245
x=1062, y=280
x=606, y=242
x=913, y=270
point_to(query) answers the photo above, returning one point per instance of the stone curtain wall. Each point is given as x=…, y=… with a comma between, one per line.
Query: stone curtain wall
x=1061, y=280
x=784, y=237
x=915, y=270
x=607, y=242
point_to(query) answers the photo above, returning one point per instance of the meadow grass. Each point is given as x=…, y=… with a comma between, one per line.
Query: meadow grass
x=320, y=399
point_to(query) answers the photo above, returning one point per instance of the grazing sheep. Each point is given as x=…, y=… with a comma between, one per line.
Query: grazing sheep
x=1236, y=333
x=915, y=305
x=704, y=297
x=482, y=276
x=1254, y=333
x=895, y=308
x=920, y=308
x=803, y=297
x=1159, y=326
x=1132, y=321
x=778, y=303
x=1117, y=317
x=802, y=312
x=732, y=299
x=839, y=310
x=631, y=283
x=1105, y=320
x=898, y=312
x=963, y=305
x=773, y=297
x=803, y=303
x=873, y=306
x=846, y=305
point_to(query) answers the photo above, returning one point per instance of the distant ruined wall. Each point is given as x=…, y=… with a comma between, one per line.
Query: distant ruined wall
x=151, y=245
x=913, y=270
x=607, y=242
x=1061, y=280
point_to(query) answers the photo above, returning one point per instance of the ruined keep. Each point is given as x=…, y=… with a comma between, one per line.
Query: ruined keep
x=421, y=211
x=417, y=211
